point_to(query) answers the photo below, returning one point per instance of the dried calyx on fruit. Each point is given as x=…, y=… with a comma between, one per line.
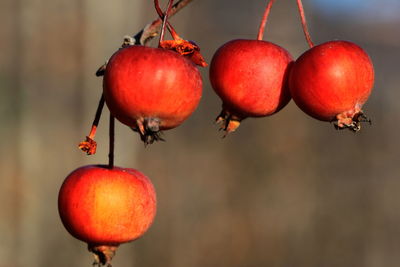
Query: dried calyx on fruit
x=332, y=81
x=250, y=77
x=186, y=48
x=189, y=49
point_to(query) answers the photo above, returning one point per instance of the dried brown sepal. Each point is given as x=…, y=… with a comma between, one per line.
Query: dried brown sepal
x=149, y=130
x=89, y=146
x=185, y=48
x=228, y=122
x=150, y=137
x=102, y=254
x=351, y=121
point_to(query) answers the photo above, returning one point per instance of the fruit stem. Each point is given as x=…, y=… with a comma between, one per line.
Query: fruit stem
x=164, y=23
x=161, y=14
x=112, y=141
x=304, y=23
x=264, y=20
x=151, y=30
x=98, y=113
x=89, y=145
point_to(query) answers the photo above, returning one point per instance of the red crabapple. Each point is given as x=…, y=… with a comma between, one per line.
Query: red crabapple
x=151, y=89
x=332, y=81
x=106, y=207
x=250, y=77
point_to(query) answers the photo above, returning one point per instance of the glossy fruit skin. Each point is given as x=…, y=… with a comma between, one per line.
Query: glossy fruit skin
x=250, y=76
x=107, y=207
x=151, y=83
x=332, y=81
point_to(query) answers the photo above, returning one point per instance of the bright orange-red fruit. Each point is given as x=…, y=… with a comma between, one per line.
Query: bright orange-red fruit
x=250, y=77
x=332, y=81
x=106, y=207
x=151, y=89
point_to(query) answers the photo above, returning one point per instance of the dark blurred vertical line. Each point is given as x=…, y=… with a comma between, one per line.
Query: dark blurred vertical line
x=82, y=44
x=17, y=185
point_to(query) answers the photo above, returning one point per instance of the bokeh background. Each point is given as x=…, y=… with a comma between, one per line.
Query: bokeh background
x=282, y=191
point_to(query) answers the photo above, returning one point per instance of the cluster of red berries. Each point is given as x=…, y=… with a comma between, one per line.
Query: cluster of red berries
x=256, y=78
x=154, y=89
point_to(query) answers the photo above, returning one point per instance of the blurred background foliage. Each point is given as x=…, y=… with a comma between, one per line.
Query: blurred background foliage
x=286, y=190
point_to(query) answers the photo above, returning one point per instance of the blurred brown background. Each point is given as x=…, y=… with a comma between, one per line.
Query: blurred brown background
x=282, y=191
